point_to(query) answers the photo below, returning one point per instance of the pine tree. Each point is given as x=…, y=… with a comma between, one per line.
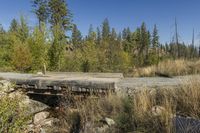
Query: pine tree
x=23, y=32
x=2, y=31
x=144, y=43
x=56, y=51
x=38, y=49
x=105, y=30
x=60, y=20
x=98, y=36
x=41, y=10
x=60, y=14
x=113, y=34
x=14, y=26
x=127, y=40
x=76, y=37
x=91, y=34
x=155, y=39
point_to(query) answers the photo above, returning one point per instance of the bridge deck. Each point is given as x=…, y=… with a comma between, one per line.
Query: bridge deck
x=56, y=83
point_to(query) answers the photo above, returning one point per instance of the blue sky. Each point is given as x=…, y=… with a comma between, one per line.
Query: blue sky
x=121, y=14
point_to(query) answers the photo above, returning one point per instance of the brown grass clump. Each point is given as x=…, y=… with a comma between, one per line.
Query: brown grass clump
x=146, y=110
x=169, y=68
x=188, y=99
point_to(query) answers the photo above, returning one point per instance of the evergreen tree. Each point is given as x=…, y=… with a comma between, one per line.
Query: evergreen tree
x=23, y=32
x=105, y=29
x=155, y=39
x=56, y=51
x=2, y=31
x=60, y=20
x=38, y=49
x=14, y=26
x=41, y=10
x=127, y=40
x=60, y=14
x=76, y=37
x=113, y=34
x=144, y=43
x=91, y=34
x=98, y=36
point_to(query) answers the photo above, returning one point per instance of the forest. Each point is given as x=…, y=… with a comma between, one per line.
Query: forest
x=57, y=44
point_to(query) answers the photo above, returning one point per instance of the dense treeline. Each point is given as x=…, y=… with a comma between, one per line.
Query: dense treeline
x=103, y=50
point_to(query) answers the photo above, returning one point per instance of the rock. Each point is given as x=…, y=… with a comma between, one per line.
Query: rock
x=42, y=130
x=6, y=86
x=50, y=122
x=108, y=121
x=103, y=129
x=158, y=110
x=40, y=117
x=17, y=94
x=33, y=106
x=40, y=74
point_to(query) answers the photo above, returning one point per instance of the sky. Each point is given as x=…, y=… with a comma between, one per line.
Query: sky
x=121, y=14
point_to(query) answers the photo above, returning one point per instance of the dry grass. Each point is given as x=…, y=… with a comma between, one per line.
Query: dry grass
x=170, y=68
x=145, y=110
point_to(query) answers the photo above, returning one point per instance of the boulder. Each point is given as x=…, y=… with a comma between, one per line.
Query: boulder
x=6, y=86
x=40, y=117
x=33, y=107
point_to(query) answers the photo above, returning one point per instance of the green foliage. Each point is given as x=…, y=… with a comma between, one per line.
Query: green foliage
x=76, y=37
x=12, y=115
x=21, y=55
x=56, y=51
x=103, y=50
x=59, y=14
x=41, y=10
x=125, y=120
x=105, y=29
x=14, y=26
x=38, y=49
x=23, y=29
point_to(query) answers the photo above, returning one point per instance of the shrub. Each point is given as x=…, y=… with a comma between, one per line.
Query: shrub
x=12, y=115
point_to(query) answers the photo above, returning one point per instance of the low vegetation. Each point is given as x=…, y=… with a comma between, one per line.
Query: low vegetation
x=169, y=68
x=13, y=118
x=146, y=110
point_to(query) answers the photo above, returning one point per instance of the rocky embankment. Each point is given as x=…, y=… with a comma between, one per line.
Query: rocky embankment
x=41, y=120
x=46, y=119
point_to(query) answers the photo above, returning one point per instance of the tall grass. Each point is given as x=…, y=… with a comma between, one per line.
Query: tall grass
x=145, y=110
x=170, y=68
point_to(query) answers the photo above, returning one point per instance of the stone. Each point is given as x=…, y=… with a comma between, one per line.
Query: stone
x=158, y=110
x=40, y=74
x=103, y=129
x=6, y=86
x=50, y=122
x=40, y=117
x=108, y=121
x=33, y=107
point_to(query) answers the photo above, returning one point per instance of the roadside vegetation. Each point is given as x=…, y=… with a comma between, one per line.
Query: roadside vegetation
x=168, y=68
x=146, y=110
x=13, y=117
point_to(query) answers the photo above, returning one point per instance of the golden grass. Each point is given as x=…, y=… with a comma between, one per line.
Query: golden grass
x=170, y=68
x=146, y=110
